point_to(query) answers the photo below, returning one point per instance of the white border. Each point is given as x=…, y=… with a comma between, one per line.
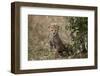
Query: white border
x=25, y=64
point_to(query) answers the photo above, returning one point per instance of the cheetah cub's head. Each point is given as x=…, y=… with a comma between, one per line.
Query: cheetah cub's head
x=53, y=29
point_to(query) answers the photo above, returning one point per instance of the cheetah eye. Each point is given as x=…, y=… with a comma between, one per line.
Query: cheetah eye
x=51, y=30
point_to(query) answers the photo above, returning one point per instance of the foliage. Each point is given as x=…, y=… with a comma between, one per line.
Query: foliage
x=79, y=30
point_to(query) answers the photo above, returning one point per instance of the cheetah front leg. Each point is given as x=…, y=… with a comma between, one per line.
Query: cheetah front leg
x=51, y=46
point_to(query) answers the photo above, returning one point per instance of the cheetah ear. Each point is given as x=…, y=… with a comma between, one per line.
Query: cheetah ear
x=48, y=26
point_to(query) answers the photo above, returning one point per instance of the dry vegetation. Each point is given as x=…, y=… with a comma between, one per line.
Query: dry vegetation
x=38, y=40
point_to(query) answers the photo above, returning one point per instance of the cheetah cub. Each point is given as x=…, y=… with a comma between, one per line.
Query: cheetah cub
x=55, y=41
